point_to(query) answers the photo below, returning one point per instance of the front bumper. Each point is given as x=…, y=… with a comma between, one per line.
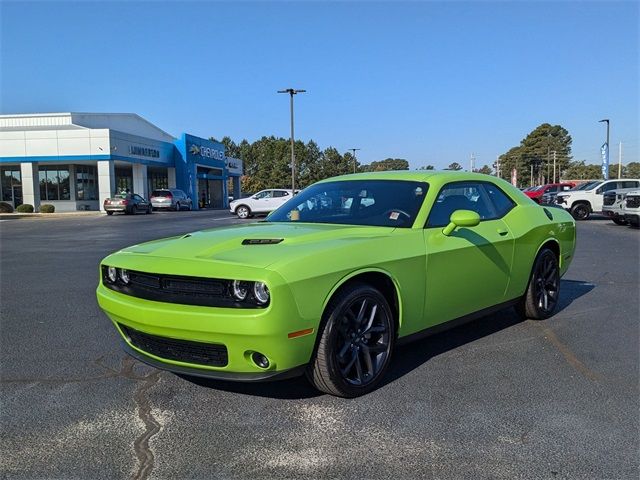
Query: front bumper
x=241, y=331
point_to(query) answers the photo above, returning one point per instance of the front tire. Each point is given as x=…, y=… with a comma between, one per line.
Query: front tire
x=109, y=212
x=243, y=211
x=619, y=221
x=355, y=343
x=580, y=211
x=541, y=297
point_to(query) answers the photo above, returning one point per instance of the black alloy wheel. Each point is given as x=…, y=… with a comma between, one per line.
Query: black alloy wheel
x=580, y=211
x=541, y=297
x=355, y=343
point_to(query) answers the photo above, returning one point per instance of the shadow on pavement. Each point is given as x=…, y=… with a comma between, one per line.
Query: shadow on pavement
x=406, y=358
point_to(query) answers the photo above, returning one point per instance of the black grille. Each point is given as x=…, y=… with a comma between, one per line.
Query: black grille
x=206, y=292
x=211, y=354
x=609, y=200
x=633, y=202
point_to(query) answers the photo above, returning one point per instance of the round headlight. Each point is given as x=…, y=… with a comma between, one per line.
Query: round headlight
x=239, y=290
x=261, y=292
x=112, y=274
x=124, y=276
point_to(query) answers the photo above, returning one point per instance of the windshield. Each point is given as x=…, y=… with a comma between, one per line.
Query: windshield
x=383, y=203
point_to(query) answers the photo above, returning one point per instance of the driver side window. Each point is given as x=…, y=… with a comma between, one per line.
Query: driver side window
x=485, y=199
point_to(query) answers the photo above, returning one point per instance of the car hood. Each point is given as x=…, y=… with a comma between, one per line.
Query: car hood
x=257, y=244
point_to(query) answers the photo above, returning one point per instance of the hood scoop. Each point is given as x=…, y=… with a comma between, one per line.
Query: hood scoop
x=261, y=241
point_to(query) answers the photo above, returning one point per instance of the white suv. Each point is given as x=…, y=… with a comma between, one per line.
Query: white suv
x=264, y=201
x=582, y=203
x=631, y=208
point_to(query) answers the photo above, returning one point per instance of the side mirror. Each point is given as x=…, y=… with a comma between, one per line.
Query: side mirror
x=461, y=218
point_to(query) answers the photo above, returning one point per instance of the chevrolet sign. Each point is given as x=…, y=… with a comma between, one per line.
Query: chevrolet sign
x=206, y=152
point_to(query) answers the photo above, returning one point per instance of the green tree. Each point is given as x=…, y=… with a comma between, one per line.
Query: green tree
x=486, y=169
x=632, y=170
x=536, y=150
x=428, y=167
x=386, y=164
x=454, y=166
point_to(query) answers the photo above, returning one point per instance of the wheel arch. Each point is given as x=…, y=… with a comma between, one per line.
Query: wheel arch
x=382, y=280
x=583, y=202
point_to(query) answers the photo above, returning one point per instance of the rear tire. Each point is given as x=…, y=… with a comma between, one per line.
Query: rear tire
x=355, y=343
x=149, y=209
x=541, y=297
x=580, y=211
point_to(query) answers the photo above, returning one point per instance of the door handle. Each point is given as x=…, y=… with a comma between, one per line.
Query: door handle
x=502, y=232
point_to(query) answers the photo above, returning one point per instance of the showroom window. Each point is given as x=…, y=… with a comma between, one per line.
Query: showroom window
x=54, y=183
x=86, y=182
x=157, y=179
x=11, y=185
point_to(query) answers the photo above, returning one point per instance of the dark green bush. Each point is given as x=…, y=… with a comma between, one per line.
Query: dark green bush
x=24, y=208
x=47, y=208
x=6, y=207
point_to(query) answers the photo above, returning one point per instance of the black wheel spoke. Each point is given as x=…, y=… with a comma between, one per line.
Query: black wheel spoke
x=359, y=374
x=349, y=366
x=368, y=361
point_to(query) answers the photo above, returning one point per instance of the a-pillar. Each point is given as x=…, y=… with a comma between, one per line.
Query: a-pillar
x=106, y=180
x=140, y=179
x=30, y=184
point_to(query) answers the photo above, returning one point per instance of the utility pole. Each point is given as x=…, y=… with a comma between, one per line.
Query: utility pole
x=472, y=162
x=554, y=166
x=292, y=92
x=354, y=150
x=620, y=160
x=532, y=174
x=498, y=166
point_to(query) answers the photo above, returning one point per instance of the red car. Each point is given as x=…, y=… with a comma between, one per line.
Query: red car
x=536, y=193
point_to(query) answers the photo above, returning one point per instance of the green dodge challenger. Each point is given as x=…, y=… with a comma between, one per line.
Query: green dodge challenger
x=337, y=277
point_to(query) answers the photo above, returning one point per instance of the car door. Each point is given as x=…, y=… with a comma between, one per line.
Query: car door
x=280, y=197
x=139, y=203
x=598, y=198
x=263, y=201
x=468, y=270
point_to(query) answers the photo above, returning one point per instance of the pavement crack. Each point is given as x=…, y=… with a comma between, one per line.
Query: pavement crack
x=143, y=451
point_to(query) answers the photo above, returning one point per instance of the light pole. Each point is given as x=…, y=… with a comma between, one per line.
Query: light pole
x=354, y=150
x=605, y=165
x=292, y=92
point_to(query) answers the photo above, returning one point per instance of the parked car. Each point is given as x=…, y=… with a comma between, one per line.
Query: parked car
x=265, y=201
x=582, y=203
x=631, y=209
x=613, y=204
x=550, y=198
x=536, y=194
x=171, y=198
x=127, y=203
x=329, y=290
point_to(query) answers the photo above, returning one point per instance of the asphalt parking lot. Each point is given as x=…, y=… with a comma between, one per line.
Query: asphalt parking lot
x=497, y=398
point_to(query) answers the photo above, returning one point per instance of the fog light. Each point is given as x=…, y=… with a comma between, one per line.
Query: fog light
x=239, y=290
x=112, y=274
x=261, y=292
x=124, y=276
x=260, y=360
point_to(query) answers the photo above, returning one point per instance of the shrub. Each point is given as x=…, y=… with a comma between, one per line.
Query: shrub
x=6, y=207
x=47, y=208
x=24, y=208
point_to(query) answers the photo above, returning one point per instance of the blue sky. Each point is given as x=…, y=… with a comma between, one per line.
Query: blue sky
x=431, y=82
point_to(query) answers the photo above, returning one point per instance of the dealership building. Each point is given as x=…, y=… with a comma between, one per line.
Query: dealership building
x=75, y=161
